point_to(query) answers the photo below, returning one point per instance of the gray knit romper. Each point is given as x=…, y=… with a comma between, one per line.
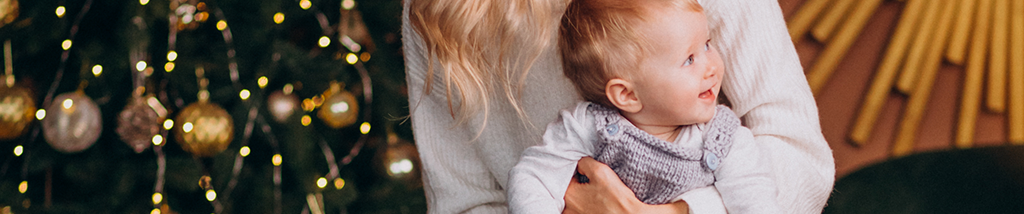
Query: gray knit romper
x=656, y=170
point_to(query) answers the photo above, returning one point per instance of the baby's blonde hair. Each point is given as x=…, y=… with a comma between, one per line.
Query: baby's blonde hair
x=599, y=41
x=482, y=46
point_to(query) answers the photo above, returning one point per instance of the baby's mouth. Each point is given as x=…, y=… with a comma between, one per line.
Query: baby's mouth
x=706, y=94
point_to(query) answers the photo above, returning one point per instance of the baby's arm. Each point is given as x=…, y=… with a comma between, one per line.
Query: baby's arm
x=744, y=178
x=538, y=182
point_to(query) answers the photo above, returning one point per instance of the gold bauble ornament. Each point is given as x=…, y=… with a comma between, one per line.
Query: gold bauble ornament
x=16, y=110
x=400, y=161
x=205, y=129
x=8, y=11
x=340, y=108
x=73, y=122
x=140, y=121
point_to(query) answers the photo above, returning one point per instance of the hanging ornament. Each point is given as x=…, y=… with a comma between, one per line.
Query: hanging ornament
x=140, y=121
x=206, y=129
x=282, y=104
x=340, y=108
x=400, y=161
x=8, y=11
x=352, y=29
x=16, y=103
x=16, y=109
x=73, y=122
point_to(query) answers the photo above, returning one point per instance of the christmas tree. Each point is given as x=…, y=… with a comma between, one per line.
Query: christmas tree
x=205, y=106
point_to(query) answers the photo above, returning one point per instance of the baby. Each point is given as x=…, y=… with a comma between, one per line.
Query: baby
x=650, y=78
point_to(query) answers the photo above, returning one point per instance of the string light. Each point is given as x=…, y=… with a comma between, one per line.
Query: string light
x=305, y=4
x=324, y=41
x=141, y=65
x=306, y=120
x=172, y=55
x=18, y=150
x=318, y=100
x=23, y=187
x=157, y=198
x=97, y=70
x=244, y=151
x=365, y=56
x=158, y=139
x=66, y=44
x=351, y=58
x=60, y=11
x=68, y=103
x=278, y=18
x=143, y=2
x=187, y=127
x=339, y=183
x=155, y=211
x=276, y=160
x=308, y=105
x=211, y=195
x=168, y=124
x=40, y=114
x=364, y=128
x=288, y=88
x=221, y=25
x=348, y=4
x=169, y=66
x=262, y=82
x=321, y=182
x=244, y=94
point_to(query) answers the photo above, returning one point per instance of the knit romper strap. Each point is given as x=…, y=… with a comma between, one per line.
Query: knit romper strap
x=658, y=171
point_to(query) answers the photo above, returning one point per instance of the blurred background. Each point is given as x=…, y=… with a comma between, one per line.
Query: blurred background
x=198, y=106
x=921, y=101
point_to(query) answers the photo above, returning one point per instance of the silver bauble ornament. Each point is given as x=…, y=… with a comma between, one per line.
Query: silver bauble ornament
x=73, y=122
x=282, y=105
x=140, y=121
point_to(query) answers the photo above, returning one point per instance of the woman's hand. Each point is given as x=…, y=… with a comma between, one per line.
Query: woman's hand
x=605, y=193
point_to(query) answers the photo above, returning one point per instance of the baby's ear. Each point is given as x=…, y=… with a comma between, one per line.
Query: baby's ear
x=622, y=94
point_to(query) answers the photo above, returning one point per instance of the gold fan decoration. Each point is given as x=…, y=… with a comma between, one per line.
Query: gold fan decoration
x=984, y=36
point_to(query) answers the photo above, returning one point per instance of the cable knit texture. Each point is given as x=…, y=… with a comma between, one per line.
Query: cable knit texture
x=658, y=171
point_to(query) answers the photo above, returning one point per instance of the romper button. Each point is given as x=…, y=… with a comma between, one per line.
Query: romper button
x=711, y=160
x=612, y=129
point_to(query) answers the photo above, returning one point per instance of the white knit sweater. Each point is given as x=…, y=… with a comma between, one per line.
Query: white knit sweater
x=764, y=81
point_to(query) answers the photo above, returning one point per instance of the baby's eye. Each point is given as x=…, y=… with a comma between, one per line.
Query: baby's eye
x=707, y=45
x=689, y=60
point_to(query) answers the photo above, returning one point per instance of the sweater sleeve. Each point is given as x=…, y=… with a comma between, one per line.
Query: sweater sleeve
x=537, y=184
x=768, y=90
x=744, y=178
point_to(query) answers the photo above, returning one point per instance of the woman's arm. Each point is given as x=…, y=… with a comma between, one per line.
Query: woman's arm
x=767, y=87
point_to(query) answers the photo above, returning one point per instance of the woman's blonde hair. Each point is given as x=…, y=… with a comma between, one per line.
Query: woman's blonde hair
x=479, y=45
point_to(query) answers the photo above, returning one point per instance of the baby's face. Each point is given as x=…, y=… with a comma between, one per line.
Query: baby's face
x=680, y=80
